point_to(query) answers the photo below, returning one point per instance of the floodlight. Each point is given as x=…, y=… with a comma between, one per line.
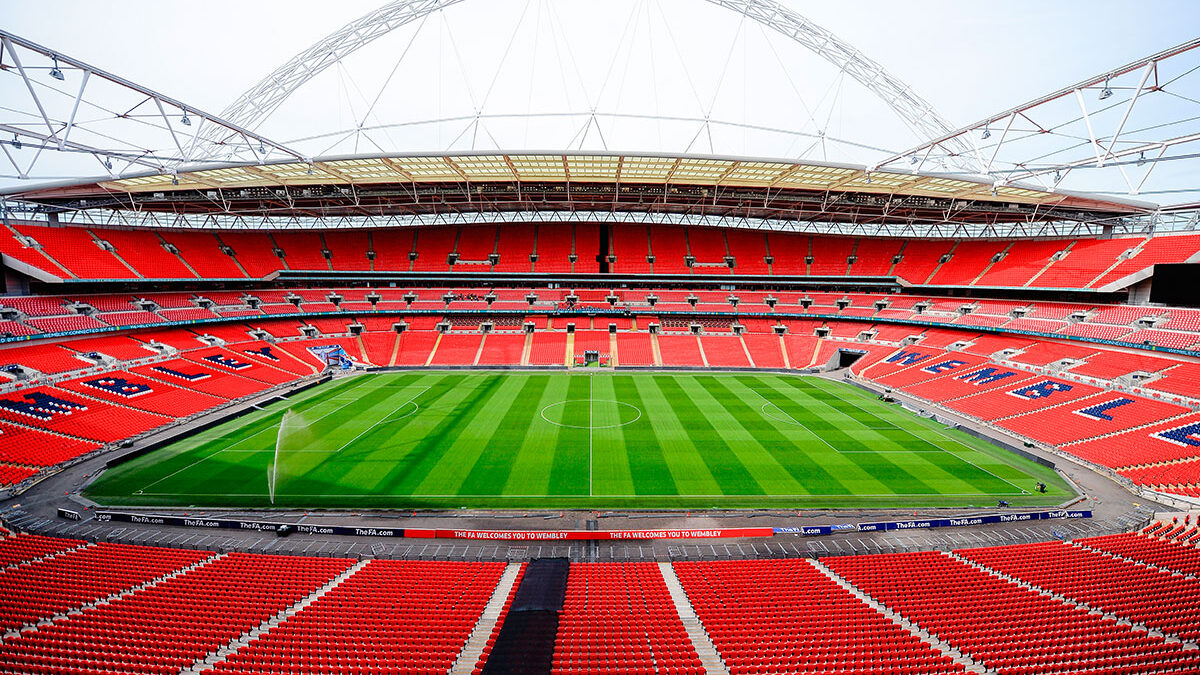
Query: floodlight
x=185, y=120
x=108, y=163
x=55, y=72
x=987, y=133
x=16, y=142
x=1105, y=92
x=1141, y=158
x=174, y=179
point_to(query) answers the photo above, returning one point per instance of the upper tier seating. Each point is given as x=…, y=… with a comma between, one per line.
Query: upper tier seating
x=73, y=252
x=76, y=249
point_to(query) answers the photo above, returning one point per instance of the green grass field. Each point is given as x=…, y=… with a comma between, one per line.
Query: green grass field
x=602, y=440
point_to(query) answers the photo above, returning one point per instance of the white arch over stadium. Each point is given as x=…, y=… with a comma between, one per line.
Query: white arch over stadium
x=260, y=101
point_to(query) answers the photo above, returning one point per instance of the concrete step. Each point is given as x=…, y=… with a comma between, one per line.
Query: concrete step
x=925, y=636
x=701, y=642
x=482, y=632
x=214, y=657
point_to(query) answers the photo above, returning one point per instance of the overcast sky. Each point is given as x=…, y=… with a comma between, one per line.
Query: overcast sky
x=652, y=57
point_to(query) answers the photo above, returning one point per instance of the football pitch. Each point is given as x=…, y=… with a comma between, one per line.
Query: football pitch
x=522, y=440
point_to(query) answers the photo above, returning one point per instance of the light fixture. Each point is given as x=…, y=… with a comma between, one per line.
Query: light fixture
x=987, y=133
x=995, y=192
x=16, y=142
x=912, y=160
x=174, y=179
x=310, y=169
x=1141, y=158
x=185, y=120
x=108, y=163
x=1057, y=177
x=55, y=72
x=1105, y=92
x=261, y=149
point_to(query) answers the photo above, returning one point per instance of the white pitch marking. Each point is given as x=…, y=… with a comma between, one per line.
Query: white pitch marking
x=939, y=433
x=230, y=447
x=384, y=419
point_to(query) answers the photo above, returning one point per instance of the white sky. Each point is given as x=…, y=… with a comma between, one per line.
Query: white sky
x=968, y=59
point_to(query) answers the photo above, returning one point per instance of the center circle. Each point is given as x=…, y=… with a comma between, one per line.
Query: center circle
x=578, y=406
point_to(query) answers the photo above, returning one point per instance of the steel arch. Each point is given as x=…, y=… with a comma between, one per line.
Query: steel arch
x=257, y=103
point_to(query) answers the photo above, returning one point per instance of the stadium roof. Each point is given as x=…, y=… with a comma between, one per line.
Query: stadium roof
x=486, y=182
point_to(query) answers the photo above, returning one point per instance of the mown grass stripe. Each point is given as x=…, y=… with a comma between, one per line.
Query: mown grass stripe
x=723, y=463
x=493, y=464
x=649, y=470
x=685, y=463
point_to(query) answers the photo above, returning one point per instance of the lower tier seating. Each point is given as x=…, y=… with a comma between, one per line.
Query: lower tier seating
x=40, y=590
x=620, y=618
x=167, y=627
x=1155, y=598
x=785, y=616
x=389, y=617
x=1009, y=628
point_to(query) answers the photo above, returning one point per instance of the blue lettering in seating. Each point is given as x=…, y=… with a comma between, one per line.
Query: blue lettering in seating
x=227, y=361
x=1039, y=390
x=42, y=406
x=985, y=376
x=264, y=352
x=944, y=366
x=190, y=377
x=1100, y=412
x=1185, y=435
x=906, y=358
x=119, y=386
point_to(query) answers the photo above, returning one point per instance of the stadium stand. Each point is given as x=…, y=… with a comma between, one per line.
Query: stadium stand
x=1009, y=628
x=548, y=349
x=35, y=448
x=1145, y=548
x=389, y=616
x=185, y=616
x=11, y=475
x=84, y=418
x=619, y=617
x=25, y=548
x=71, y=579
x=1150, y=597
x=457, y=349
x=785, y=616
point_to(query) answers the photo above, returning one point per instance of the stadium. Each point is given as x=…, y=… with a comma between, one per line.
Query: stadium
x=666, y=336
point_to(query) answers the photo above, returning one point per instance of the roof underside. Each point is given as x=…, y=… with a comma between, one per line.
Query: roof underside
x=474, y=183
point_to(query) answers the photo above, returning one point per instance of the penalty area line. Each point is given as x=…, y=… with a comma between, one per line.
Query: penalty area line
x=954, y=441
x=232, y=446
x=384, y=419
